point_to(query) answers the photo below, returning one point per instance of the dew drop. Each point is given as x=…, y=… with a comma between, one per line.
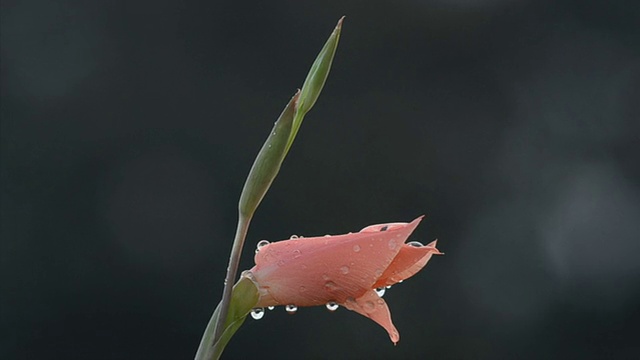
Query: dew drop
x=400, y=281
x=291, y=309
x=369, y=306
x=392, y=244
x=380, y=291
x=388, y=287
x=261, y=243
x=271, y=307
x=302, y=289
x=415, y=244
x=297, y=253
x=332, y=306
x=344, y=269
x=331, y=286
x=257, y=313
x=356, y=248
x=280, y=262
x=293, y=237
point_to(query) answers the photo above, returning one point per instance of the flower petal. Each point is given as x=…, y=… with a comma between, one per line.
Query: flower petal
x=407, y=263
x=313, y=271
x=375, y=308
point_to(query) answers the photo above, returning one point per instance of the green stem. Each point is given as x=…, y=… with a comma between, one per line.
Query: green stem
x=207, y=349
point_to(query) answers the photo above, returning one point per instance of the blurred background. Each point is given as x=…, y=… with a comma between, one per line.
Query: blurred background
x=128, y=129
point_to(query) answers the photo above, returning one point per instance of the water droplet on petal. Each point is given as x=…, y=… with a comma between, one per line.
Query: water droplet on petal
x=302, y=289
x=369, y=306
x=388, y=287
x=297, y=253
x=257, y=313
x=332, y=306
x=415, y=244
x=331, y=286
x=344, y=269
x=392, y=244
x=291, y=309
x=271, y=307
x=381, y=291
x=293, y=237
x=400, y=281
x=356, y=248
x=261, y=243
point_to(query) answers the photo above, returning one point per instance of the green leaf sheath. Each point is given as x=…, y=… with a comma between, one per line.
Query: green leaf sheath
x=315, y=81
x=267, y=163
x=243, y=298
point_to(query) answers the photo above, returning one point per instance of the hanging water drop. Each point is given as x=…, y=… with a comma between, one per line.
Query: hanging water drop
x=381, y=291
x=293, y=237
x=261, y=243
x=415, y=244
x=271, y=307
x=257, y=313
x=332, y=306
x=291, y=309
x=388, y=287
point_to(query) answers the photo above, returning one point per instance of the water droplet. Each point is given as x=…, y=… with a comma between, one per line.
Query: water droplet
x=302, y=289
x=297, y=253
x=332, y=306
x=378, y=273
x=257, y=313
x=415, y=244
x=271, y=307
x=356, y=248
x=331, y=286
x=327, y=235
x=369, y=306
x=280, y=262
x=293, y=237
x=381, y=291
x=392, y=244
x=344, y=269
x=291, y=309
x=400, y=281
x=388, y=287
x=261, y=244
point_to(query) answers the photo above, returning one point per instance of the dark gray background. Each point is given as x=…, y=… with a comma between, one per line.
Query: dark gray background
x=128, y=128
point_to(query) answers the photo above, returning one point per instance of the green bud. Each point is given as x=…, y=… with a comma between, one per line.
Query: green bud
x=315, y=80
x=267, y=163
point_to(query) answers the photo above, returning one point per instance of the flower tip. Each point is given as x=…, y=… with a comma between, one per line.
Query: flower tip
x=433, y=245
x=339, y=26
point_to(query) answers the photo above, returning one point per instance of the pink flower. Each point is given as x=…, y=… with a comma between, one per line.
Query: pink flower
x=345, y=269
